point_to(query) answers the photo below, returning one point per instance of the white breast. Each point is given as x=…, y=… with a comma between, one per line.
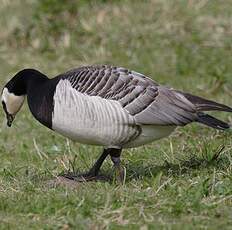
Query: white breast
x=90, y=119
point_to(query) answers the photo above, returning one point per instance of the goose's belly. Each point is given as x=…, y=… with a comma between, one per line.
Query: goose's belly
x=150, y=133
x=110, y=135
x=90, y=119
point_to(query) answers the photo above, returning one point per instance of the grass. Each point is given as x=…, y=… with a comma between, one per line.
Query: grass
x=181, y=182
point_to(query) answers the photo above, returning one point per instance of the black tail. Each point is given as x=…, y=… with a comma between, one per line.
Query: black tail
x=207, y=105
x=212, y=121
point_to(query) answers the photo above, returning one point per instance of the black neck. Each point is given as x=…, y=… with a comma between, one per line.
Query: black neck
x=39, y=90
x=25, y=81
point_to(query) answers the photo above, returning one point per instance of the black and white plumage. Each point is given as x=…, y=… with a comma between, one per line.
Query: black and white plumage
x=105, y=105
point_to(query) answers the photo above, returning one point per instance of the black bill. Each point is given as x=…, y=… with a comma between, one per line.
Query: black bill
x=9, y=117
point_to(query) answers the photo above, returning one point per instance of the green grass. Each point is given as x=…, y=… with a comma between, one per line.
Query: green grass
x=175, y=183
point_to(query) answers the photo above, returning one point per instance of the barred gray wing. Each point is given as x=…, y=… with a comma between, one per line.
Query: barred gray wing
x=148, y=102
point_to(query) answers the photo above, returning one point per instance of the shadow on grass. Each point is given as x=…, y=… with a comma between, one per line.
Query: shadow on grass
x=186, y=166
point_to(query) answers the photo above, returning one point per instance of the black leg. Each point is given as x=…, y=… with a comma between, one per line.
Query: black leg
x=92, y=174
x=119, y=170
x=96, y=167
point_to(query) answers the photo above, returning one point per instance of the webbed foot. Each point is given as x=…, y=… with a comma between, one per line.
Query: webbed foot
x=85, y=177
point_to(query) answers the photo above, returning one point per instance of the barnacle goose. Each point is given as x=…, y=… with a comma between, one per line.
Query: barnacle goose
x=108, y=106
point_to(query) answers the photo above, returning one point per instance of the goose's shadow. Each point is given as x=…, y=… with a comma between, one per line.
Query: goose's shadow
x=136, y=171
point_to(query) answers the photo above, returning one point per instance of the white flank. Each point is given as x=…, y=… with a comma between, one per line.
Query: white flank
x=150, y=133
x=13, y=102
x=90, y=119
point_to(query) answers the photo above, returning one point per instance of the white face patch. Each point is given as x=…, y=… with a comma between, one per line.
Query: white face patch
x=13, y=102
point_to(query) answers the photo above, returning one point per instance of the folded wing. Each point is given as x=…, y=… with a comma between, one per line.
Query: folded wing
x=148, y=102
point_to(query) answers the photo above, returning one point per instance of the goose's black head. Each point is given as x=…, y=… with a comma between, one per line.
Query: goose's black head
x=14, y=92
